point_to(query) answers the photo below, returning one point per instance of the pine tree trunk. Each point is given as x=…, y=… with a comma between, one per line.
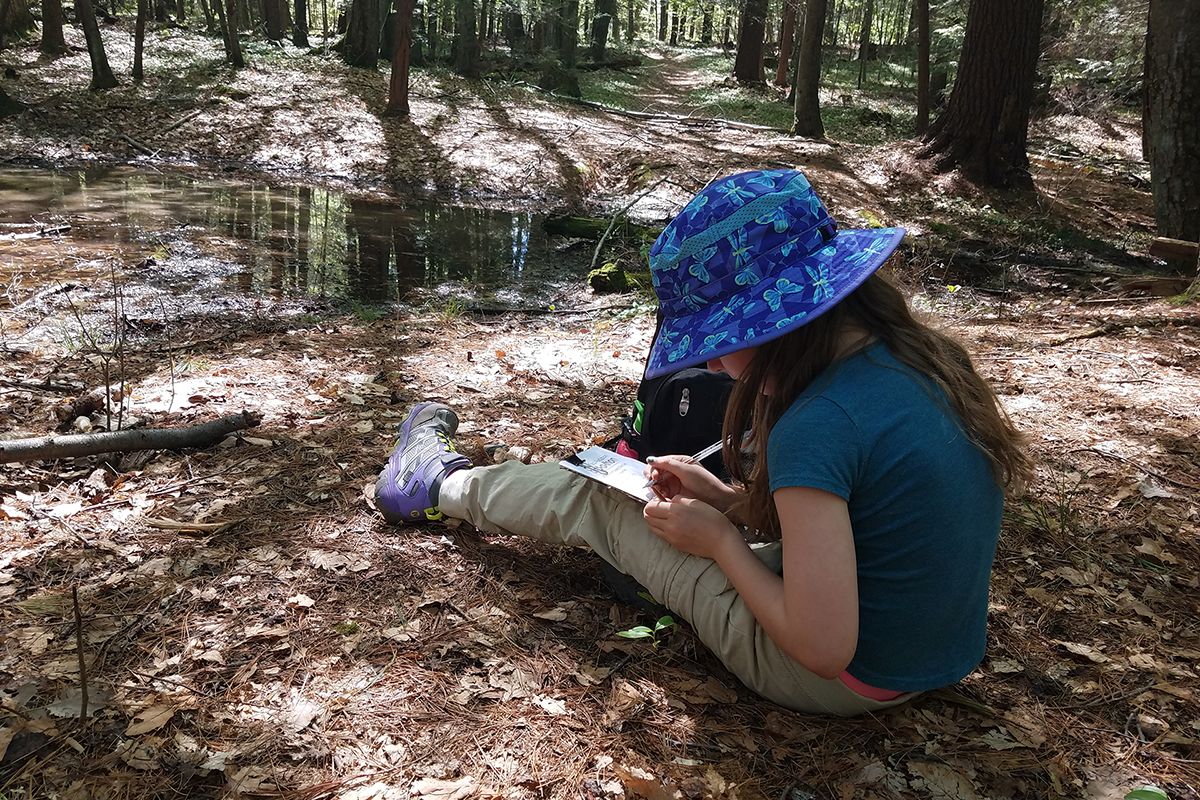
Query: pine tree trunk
x=1171, y=122
x=300, y=25
x=361, y=45
x=102, y=74
x=53, y=43
x=985, y=126
x=748, y=64
x=785, y=42
x=273, y=17
x=864, y=40
x=235, y=44
x=807, y=120
x=662, y=19
x=921, y=13
x=397, y=104
x=139, y=38
x=606, y=11
x=466, y=61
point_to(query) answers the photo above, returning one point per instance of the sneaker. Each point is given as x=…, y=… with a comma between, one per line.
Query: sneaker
x=407, y=489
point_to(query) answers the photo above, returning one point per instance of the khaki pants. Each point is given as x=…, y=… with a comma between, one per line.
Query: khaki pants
x=548, y=503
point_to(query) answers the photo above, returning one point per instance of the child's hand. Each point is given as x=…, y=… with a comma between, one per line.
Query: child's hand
x=690, y=525
x=678, y=477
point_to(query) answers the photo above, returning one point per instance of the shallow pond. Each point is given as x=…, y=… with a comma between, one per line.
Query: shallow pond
x=207, y=238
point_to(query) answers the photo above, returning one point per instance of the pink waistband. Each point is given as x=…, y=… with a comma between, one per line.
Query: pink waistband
x=870, y=692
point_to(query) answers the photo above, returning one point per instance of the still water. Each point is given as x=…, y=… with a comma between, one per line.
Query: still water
x=206, y=237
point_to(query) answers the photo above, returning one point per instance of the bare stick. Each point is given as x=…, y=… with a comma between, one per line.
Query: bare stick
x=89, y=444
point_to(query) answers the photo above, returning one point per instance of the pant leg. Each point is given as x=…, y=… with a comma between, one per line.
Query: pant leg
x=551, y=504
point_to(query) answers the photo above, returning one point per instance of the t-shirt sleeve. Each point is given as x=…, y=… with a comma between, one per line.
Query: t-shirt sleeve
x=816, y=446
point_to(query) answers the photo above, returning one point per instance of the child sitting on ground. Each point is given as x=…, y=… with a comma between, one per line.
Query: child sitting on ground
x=882, y=462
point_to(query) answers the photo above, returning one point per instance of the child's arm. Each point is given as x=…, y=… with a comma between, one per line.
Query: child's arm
x=812, y=613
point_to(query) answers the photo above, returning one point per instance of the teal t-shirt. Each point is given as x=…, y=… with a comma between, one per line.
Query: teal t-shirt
x=924, y=508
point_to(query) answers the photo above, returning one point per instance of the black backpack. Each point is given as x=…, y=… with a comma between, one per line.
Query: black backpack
x=679, y=413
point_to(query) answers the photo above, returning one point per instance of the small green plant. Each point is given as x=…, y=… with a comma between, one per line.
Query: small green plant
x=643, y=632
x=455, y=307
x=366, y=314
x=1148, y=792
x=348, y=628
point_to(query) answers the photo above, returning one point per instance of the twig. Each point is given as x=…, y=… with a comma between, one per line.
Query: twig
x=136, y=144
x=181, y=120
x=83, y=685
x=612, y=223
x=1113, y=327
x=1140, y=466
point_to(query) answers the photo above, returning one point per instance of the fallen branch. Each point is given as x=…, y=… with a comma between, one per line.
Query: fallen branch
x=1113, y=327
x=138, y=145
x=89, y=444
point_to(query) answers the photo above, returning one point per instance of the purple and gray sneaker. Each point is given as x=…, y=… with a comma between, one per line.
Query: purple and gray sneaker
x=407, y=489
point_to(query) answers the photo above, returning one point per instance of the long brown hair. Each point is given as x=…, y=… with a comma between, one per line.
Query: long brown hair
x=793, y=361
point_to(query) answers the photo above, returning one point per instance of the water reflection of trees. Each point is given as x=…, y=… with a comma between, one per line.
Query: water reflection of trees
x=285, y=241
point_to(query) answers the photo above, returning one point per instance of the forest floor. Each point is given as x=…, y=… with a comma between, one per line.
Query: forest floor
x=247, y=625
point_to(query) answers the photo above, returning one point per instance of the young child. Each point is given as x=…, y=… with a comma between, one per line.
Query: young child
x=882, y=458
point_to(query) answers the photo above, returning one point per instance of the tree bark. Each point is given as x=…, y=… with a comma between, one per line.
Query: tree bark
x=785, y=42
x=748, y=63
x=397, y=104
x=921, y=15
x=1171, y=122
x=273, y=11
x=361, y=45
x=606, y=12
x=864, y=40
x=102, y=74
x=53, y=42
x=90, y=444
x=807, y=118
x=466, y=52
x=139, y=38
x=985, y=126
x=300, y=24
x=227, y=9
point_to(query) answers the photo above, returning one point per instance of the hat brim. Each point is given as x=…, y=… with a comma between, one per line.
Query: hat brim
x=792, y=296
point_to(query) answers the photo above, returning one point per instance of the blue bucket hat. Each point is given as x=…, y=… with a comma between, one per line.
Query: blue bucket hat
x=750, y=258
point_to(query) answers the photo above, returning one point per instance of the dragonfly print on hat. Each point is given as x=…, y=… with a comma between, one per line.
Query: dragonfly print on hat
x=820, y=281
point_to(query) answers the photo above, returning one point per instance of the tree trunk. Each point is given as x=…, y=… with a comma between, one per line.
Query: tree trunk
x=139, y=38
x=984, y=129
x=300, y=25
x=921, y=13
x=360, y=48
x=273, y=17
x=227, y=12
x=397, y=104
x=706, y=24
x=466, y=59
x=748, y=64
x=662, y=19
x=807, y=120
x=53, y=43
x=569, y=33
x=785, y=42
x=102, y=74
x=864, y=40
x=180, y=11
x=15, y=19
x=8, y=106
x=631, y=17
x=606, y=11
x=1171, y=122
